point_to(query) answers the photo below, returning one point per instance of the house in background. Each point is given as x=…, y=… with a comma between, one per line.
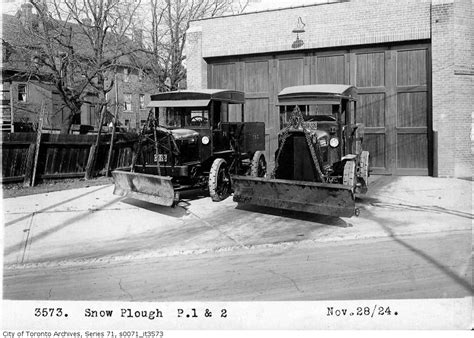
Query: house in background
x=22, y=94
x=134, y=90
x=27, y=99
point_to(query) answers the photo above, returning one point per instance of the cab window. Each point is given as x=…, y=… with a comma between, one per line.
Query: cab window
x=311, y=113
x=197, y=118
x=182, y=117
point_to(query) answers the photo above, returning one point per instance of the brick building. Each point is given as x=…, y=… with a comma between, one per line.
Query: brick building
x=411, y=60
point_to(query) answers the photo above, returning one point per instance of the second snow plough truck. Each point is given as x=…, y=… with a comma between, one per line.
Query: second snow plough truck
x=320, y=164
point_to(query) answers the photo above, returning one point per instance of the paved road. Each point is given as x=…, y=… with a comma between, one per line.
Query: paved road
x=412, y=240
x=417, y=266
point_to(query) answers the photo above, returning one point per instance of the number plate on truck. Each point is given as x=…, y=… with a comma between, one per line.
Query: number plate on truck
x=161, y=157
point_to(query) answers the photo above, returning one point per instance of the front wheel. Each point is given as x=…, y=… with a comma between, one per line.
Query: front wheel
x=219, y=180
x=258, y=167
x=349, y=177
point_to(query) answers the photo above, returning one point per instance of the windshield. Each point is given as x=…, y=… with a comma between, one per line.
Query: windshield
x=311, y=113
x=183, y=117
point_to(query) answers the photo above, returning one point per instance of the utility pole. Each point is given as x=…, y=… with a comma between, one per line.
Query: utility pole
x=114, y=121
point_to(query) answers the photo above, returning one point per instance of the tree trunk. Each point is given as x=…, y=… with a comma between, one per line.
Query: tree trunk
x=66, y=124
x=68, y=121
x=91, y=164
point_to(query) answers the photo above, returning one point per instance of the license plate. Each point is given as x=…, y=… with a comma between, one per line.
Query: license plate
x=161, y=157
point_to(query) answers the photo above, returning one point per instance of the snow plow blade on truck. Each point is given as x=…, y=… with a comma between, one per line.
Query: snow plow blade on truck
x=317, y=198
x=146, y=187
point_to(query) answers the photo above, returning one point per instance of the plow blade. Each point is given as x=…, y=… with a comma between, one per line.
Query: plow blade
x=150, y=188
x=317, y=198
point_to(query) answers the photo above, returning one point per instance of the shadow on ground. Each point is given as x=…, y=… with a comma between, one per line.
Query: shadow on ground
x=161, y=209
x=177, y=211
x=67, y=223
x=55, y=205
x=368, y=200
x=296, y=215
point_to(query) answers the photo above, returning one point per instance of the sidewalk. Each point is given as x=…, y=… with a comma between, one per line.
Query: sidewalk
x=91, y=224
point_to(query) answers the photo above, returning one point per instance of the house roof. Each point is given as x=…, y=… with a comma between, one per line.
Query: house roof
x=48, y=87
x=14, y=35
x=11, y=31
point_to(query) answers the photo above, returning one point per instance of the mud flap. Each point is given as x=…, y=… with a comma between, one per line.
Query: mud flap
x=150, y=188
x=317, y=198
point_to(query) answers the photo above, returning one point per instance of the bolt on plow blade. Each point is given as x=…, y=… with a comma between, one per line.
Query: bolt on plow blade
x=317, y=198
x=150, y=188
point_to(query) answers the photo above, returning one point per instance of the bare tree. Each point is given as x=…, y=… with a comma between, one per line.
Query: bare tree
x=77, y=45
x=170, y=19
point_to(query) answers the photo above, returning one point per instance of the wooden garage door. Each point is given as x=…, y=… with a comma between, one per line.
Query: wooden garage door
x=251, y=76
x=394, y=96
x=368, y=72
x=394, y=106
x=412, y=118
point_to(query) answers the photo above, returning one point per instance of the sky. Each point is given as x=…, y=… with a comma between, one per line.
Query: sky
x=11, y=6
x=260, y=5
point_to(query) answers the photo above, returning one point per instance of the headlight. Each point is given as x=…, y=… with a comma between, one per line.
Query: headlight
x=334, y=142
x=205, y=140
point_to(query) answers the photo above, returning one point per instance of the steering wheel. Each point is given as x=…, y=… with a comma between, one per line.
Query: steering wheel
x=198, y=120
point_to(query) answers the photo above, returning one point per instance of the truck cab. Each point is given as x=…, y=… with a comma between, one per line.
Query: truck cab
x=329, y=114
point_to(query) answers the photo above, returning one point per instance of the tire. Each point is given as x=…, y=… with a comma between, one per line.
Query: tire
x=349, y=177
x=258, y=167
x=219, y=180
x=364, y=171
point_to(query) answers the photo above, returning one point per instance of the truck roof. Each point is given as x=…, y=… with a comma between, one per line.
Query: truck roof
x=316, y=93
x=195, y=98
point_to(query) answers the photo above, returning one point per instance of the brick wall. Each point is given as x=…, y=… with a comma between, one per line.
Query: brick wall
x=135, y=85
x=452, y=85
x=338, y=24
x=463, y=82
x=196, y=66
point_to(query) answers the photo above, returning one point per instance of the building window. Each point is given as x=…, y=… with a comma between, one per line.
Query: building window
x=22, y=92
x=126, y=75
x=127, y=123
x=127, y=102
x=142, y=101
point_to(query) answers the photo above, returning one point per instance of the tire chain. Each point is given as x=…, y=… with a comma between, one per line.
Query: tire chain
x=296, y=122
x=313, y=155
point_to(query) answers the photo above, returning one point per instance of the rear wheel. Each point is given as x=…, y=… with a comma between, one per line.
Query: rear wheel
x=258, y=167
x=219, y=180
x=349, y=177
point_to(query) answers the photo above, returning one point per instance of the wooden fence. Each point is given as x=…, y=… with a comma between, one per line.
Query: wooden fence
x=61, y=156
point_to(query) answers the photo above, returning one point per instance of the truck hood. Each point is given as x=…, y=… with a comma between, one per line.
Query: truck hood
x=320, y=133
x=184, y=134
